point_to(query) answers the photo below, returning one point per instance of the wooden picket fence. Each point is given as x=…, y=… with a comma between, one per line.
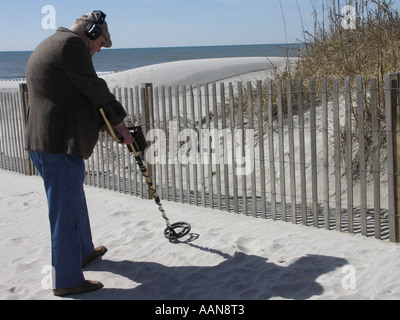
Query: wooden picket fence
x=323, y=155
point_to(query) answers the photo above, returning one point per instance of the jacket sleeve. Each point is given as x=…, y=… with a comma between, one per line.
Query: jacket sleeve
x=78, y=66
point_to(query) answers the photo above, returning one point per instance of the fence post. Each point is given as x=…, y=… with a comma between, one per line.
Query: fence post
x=148, y=117
x=396, y=153
x=23, y=90
x=393, y=151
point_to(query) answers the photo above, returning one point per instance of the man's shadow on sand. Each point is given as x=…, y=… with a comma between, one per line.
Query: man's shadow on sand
x=238, y=277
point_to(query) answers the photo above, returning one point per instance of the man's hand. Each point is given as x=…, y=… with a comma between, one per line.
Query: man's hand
x=124, y=133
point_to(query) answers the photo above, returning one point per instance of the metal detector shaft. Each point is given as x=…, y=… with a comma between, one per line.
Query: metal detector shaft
x=170, y=232
x=142, y=167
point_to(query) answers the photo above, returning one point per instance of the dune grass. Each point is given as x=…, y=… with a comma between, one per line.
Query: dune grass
x=346, y=44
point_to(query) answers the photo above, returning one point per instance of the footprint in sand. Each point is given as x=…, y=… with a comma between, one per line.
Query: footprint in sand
x=246, y=244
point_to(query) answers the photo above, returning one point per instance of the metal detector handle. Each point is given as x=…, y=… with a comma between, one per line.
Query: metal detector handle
x=112, y=132
x=110, y=128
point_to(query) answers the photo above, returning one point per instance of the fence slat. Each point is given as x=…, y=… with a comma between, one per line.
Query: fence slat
x=194, y=164
x=210, y=139
x=391, y=102
x=144, y=106
x=325, y=145
x=261, y=150
x=396, y=154
x=303, y=181
x=178, y=127
x=361, y=142
x=136, y=113
x=376, y=157
x=225, y=147
x=201, y=146
x=233, y=148
x=241, y=156
x=23, y=91
x=118, y=154
x=186, y=124
x=281, y=143
x=250, y=159
x=314, y=165
x=349, y=156
x=172, y=145
x=158, y=120
x=165, y=164
x=271, y=148
x=216, y=144
x=130, y=111
x=337, y=156
x=292, y=156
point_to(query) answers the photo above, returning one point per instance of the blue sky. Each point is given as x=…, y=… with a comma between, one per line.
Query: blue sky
x=161, y=23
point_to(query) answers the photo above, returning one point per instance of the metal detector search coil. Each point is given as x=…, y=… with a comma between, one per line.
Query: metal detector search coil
x=176, y=230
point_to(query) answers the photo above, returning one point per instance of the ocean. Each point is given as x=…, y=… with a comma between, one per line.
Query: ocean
x=12, y=64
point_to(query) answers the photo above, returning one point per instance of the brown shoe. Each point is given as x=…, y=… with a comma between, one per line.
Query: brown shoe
x=98, y=252
x=87, y=286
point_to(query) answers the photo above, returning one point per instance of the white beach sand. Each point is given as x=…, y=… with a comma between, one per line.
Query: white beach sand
x=226, y=256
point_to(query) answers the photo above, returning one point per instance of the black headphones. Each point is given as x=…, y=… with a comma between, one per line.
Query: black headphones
x=94, y=28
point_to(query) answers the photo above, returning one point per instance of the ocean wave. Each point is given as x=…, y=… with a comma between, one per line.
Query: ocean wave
x=104, y=73
x=13, y=80
x=100, y=74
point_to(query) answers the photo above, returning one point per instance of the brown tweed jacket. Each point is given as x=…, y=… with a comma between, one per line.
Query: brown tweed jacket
x=64, y=94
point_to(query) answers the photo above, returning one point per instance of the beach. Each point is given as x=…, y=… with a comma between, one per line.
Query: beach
x=225, y=257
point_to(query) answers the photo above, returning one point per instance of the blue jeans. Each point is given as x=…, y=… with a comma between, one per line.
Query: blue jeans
x=71, y=238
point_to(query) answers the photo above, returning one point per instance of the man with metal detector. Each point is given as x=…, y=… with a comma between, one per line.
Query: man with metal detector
x=63, y=125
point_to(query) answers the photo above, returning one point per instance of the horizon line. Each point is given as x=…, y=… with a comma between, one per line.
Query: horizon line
x=189, y=46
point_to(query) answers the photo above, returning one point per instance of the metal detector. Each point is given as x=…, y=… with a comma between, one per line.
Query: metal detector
x=173, y=231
